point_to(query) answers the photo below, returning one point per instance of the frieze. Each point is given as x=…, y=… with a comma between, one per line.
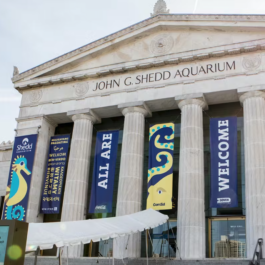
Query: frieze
x=178, y=60
x=251, y=63
x=149, y=21
x=35, y=95
x=179, y=73
x=81, y=89
x=162, y=44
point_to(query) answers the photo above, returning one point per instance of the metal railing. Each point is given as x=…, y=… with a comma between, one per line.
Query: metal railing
x=257, y=253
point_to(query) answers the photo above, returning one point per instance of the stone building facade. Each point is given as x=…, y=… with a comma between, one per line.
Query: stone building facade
x=170, y=67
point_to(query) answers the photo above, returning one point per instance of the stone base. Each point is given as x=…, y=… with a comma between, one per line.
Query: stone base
x=143, y=261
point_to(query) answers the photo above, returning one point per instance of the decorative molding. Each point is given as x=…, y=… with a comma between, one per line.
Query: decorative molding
x=6, y=145
x=137, y=88
x=176, y=60
x=88, y=114
x=251, y=63
x=15, y=71
x=81, y=89
x=144, y=23
x=35, y=95
x=162, y=44
x=160, y=8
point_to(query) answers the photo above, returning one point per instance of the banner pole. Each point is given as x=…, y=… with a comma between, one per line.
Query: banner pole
x=146, y=247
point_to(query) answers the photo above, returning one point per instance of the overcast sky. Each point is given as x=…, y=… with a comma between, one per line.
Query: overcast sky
x=33, y=32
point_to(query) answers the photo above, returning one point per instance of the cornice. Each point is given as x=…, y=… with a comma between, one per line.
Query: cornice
x=245, y=48
x=137, y=26
x=6, y=146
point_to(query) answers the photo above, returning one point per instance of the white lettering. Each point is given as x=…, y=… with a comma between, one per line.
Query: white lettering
x=223, y=171
x=103, y=184
x=226, y=164
x=107, y=137
x=104, y=176
x=104, y=168
x=222, y=184
x=224, y=134
x=223, y=157
x=225, y=144
x=223, y=123
x=106, y=154
x=106, y=145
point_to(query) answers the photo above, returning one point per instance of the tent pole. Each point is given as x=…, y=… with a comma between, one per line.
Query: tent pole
x=113, y=251
x=60, y=263
x=146, y=247
x=36, y=256
x=168, y=239
x=67, y=255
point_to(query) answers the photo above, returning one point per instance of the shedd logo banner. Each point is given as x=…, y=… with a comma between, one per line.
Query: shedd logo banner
x=17, y=191
x=25, y=146
x=160, y=169
x=104, y=172
x=223, y=162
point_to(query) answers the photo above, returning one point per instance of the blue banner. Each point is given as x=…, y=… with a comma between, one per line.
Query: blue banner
x=104, y=172
x=18, y=185
x=55, y=173
x=223, y=162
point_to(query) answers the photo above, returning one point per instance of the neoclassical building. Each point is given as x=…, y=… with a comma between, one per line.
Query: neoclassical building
x=180, y=68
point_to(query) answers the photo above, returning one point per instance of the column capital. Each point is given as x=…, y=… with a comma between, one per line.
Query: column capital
x=138, y=106
x=87, y=114
x=191, y=99
x=251, y=94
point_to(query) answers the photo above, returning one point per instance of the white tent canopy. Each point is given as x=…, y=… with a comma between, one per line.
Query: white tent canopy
x=45, y=235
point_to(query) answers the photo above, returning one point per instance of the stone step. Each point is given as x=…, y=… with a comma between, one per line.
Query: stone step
x=151, y=261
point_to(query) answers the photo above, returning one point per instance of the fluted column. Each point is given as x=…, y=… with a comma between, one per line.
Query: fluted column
x=76, y=188
x=131, y=178
x=254, y=137
x=191, y=215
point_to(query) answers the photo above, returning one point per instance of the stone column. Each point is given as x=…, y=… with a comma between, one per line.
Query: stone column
x=131, y=175
x=45, y=129
x=76, y=187
x=254, y=137
x=191, y=214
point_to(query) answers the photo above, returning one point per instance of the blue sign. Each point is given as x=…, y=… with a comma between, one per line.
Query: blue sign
x=3, y=242
x=18, y=185
x=55, y=172
x=223, y=162
x=104, y=172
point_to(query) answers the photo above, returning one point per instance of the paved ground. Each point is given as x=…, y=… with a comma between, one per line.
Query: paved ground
x=106, y=261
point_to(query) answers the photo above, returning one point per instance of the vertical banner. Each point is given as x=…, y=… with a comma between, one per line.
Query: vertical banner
x=223, y=162
x=160, y=169
x=55, y=173
x=104, y=172
x=18, y=185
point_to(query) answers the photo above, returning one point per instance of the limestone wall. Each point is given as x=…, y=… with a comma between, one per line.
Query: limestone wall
x=5, y=158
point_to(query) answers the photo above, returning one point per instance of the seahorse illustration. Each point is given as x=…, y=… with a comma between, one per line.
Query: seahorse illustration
x=17, y=190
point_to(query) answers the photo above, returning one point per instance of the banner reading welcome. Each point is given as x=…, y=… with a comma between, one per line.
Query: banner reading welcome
x=18, y=185
x=55, y=173
x=160, y=169
x=104, y=172
x=223, y=162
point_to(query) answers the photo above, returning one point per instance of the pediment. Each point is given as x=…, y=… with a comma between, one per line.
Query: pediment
x=155, y=40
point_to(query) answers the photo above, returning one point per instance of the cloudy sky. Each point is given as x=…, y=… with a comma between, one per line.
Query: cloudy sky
x=33, y=32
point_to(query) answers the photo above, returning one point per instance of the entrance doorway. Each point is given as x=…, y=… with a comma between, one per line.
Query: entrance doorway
x=227, y=237
x=164, y=240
